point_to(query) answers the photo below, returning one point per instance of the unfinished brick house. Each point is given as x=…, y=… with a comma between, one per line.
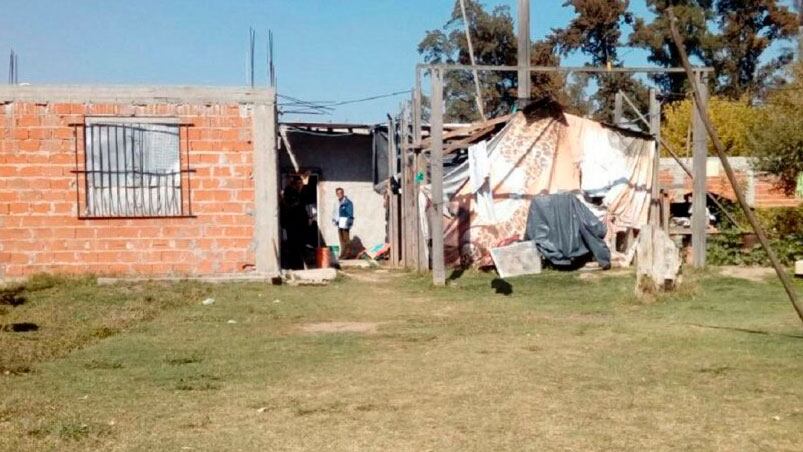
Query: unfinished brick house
x=761, y=190
x=137, y=181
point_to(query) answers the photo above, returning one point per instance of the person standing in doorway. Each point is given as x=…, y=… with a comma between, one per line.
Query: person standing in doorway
x=343, y=219
x=295, y=221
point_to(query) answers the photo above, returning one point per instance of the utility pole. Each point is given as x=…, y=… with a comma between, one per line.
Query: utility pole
x=524, y=53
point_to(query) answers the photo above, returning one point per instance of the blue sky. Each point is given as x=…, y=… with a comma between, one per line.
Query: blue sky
x=325, y=49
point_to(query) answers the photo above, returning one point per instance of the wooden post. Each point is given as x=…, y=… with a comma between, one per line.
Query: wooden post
x=665, y=211
x=411, y=201
x=407, y=182
x=423, y=246
x=417, y=119
x=655, y=131
x=393, y=199
x=720, y=148
x=436, y=135
x=524, y=53
x=420, y=165
x=800, y=31
x=617, y=109
x=699, y=216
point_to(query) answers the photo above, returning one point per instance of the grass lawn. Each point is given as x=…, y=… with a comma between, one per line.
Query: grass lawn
x=381, y=360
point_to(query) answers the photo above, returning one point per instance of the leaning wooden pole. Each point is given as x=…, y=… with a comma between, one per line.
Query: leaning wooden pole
x=720, y=149
x=675, y=155
x=477, y=87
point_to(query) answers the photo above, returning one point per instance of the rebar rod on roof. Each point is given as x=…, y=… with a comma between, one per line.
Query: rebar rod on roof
x=251, y=43
x=271, y=67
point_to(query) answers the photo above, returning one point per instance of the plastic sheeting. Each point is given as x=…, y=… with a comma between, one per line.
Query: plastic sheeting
x=543, y=150
x=565, y=231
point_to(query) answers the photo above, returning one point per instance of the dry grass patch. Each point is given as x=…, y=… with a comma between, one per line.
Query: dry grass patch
x=558, y=364
x=753, y=274
x=340, y=327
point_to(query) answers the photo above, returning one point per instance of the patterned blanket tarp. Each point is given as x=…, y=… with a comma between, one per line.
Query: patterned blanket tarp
x=543, y=151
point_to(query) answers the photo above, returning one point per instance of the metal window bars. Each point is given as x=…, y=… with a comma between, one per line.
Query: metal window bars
x=132, y=170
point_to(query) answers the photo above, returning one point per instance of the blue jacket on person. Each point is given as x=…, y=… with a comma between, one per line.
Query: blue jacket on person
x=345, y=209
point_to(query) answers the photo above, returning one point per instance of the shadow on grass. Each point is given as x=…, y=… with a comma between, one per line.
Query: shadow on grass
x=20, y=327
x=502, y=287
x=456, y=274
x=746, y=330
x=12, y=296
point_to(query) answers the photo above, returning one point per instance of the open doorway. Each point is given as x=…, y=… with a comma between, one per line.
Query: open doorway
x=301, y=234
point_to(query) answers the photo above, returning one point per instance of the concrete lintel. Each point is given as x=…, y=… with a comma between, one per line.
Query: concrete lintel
x=132, y=94
x=105, y=120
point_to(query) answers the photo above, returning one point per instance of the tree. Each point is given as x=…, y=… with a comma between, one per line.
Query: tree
x=656, y=38
x=595, y=29
x=596, y=32
x=494, y=42
x=733, y=119
x=777, y=139
x=747, y=29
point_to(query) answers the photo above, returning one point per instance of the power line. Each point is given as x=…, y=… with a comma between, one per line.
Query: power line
x=366, y=99
x=300, y=106
x=334, y=103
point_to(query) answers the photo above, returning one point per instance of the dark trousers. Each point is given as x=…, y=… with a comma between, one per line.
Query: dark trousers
x=345, y=243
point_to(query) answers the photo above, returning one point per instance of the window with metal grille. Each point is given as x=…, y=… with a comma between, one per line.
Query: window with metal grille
x=133, y=169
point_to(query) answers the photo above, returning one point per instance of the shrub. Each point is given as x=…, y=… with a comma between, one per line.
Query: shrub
x=784, y=227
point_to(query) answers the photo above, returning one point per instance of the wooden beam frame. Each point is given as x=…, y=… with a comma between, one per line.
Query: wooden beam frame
x=437, y=72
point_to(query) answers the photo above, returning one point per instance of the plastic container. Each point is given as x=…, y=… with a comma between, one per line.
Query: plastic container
x=323, y=257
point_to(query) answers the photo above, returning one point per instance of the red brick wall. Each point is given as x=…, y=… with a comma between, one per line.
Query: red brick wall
x=39, y=226
x=766, y=193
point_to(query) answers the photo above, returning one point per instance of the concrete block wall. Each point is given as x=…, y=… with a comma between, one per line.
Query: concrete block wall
x=39, y=226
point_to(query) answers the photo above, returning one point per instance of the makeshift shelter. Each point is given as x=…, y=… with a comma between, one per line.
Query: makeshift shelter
x=543, y=150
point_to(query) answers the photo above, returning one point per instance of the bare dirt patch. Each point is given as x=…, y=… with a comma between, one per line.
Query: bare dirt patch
x=341, y=327
x=371, y=276
x=754, y=274
x=594, y=275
